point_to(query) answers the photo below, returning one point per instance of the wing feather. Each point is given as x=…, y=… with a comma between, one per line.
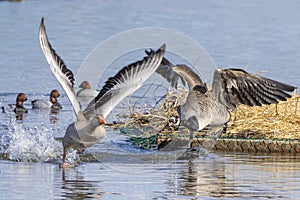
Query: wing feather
x=125, y=82
x=64, y=75
x=165, y=69
x=235, y=86
x=174, y=73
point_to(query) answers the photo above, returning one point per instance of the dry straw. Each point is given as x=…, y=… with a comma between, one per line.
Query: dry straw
x=276, y=121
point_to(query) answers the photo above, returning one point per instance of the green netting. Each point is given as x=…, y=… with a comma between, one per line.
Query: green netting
x=145, y=139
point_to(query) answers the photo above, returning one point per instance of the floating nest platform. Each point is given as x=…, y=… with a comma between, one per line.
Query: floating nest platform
x=250, y=145
x=268, y=128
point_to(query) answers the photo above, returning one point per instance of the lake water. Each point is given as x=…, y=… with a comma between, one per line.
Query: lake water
x=257, y=35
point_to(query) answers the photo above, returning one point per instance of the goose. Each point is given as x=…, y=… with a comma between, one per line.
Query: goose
x=230, y=87
x=51, y=104
x=89, y=128
x=86, y=91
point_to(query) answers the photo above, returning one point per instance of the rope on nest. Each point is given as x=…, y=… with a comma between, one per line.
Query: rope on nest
x=252, y=145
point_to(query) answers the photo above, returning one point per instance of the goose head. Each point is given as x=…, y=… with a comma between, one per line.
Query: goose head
x=97, y=120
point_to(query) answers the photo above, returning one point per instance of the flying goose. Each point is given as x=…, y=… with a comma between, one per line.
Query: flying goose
x=89, y=128
x=51, y=104
x=230, y=88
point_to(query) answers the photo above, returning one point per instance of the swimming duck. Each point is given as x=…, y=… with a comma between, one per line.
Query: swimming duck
x=89, y=127
x=230, y=88
x=19, y=107
x=86, y=91
x=51, y=104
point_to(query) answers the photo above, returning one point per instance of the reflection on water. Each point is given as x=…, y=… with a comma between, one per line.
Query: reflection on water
x=217, y=175
x=75, y=186
x=209, y=178
x=242, y=176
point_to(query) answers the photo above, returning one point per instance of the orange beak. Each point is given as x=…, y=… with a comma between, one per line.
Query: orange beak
x=101, y=120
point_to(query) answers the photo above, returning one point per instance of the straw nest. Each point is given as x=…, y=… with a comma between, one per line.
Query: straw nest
x=158, y=117
x=277, y=121
x=149, y=130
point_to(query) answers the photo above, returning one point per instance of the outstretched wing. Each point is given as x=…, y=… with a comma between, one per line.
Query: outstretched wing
x=235, y=86
x=174, y=73
x=64, y=76
x=125, y=82
x=166, y=71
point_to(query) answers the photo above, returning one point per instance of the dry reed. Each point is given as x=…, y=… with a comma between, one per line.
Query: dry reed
x=276, y=121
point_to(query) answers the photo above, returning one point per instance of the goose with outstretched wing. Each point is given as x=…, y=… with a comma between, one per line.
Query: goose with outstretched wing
x=89, y=128
x=230, y=88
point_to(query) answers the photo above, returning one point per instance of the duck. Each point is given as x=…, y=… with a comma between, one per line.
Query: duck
x=51, y=104
x=19, y=107
x=89, y=127
x=230, y=88
x=86, y=91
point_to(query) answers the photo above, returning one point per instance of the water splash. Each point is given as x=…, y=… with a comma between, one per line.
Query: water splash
x=73, y=158
x=31, y=144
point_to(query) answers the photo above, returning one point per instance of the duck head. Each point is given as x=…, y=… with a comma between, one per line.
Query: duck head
x=53, y=96
x=20, y=99
x=85, y=85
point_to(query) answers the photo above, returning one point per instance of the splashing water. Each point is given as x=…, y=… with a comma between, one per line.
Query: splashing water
x=31, y=144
